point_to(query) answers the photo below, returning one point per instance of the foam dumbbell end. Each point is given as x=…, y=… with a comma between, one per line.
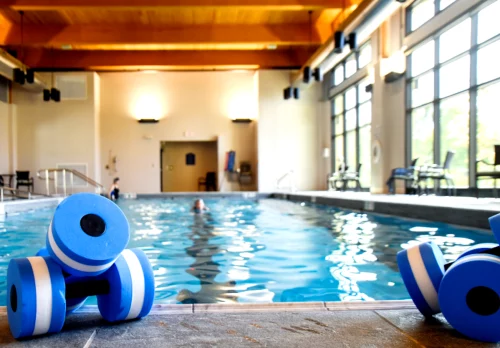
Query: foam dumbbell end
x=72, y=304
x=131, y=288
x=422, y=269
x=469, y=296
x=478, y=248
x=87, y=233
x=35, y=297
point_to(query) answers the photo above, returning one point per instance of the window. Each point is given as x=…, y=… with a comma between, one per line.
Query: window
x=338, y=74
x=354, y=61
x=352, y=114
x=350, y=65
x=365, y=55
x=464, y=71
x=454, y=128
x=488, y=132
x=421, y=11
x=422, y=59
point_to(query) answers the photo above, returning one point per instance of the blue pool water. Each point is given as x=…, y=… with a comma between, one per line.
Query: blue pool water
x=264, y=251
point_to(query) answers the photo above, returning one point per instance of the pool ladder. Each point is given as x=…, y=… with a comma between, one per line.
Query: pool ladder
x=51, y=175
x=290, y=175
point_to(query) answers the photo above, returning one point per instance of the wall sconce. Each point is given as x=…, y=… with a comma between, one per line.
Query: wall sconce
x=241, y=120
x=341, y=41
x=148, y=120
x=394, y=67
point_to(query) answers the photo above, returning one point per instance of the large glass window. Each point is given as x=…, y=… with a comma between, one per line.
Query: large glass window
x=422, y=11
x=464, y=71
x=352, y=115
x=354, y=61
x=488, y=131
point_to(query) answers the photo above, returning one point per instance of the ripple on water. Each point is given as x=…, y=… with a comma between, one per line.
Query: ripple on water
x=258, y=252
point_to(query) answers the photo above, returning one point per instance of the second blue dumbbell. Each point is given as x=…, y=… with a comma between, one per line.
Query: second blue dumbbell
x=87, y=234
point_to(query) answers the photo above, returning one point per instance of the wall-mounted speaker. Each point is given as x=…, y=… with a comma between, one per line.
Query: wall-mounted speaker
x=287, y=93
x=19, y=76
x=55, y=95
x=46, y=95
x=341, y=41
x=296, y=93
x=30, y=76
x=307, y=74
x=318, y=76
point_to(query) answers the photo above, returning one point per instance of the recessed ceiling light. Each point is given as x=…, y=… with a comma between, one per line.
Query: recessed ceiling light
x=272, y=47
x=66, y=47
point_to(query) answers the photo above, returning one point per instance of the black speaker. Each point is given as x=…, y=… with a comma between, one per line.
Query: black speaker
x=46, y=95
x=30, y=76
x=352, y=40
x=287, y=93
x=55, y=95
x=339, y=41
x=296, y=93
x=318, y=76
x=19, y=76
x=307, y=74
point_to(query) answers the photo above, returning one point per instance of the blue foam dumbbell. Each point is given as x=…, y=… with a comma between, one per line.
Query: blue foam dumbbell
x=39, y=295
x=469, y=296
x=422, y=268
x=87, y=234
x=72, y=304
x=131, y=287
x=35, y=296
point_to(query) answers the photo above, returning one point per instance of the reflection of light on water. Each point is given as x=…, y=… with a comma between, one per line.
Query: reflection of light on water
x=239, y=273
x=253, y=296
x=422, y=229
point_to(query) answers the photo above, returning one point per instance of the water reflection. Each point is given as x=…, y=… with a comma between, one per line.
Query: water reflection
x=204, y=268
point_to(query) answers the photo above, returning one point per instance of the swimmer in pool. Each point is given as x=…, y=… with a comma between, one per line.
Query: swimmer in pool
x=199, y=206
x=114, y=191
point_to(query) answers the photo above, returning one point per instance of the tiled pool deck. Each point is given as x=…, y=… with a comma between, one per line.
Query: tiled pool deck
x=313, y=325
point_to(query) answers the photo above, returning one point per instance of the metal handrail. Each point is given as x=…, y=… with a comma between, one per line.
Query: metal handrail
x=44, y=174
x=16, y=192
x=286, y=175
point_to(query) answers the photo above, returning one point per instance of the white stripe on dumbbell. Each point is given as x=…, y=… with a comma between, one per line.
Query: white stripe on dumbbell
x=137, y=275
x=43, y=287
x=422, y=278
x=72, y=263
x=475, y=257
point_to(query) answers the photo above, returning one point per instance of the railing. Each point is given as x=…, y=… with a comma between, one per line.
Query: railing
x=289, y=175
x=17, y=193
x=45, y=174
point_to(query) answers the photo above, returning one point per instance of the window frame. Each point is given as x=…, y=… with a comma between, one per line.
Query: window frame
x=342, y=64
x=472, y=90
x=411, y=7
x=334, y=114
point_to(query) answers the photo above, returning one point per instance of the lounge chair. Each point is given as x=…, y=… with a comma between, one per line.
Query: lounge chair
x=344, y=177
x=437, y=173
x=409, y=174
x=493, y=174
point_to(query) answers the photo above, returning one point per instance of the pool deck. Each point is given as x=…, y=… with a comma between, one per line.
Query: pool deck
x=462, y=211
x=378, y=324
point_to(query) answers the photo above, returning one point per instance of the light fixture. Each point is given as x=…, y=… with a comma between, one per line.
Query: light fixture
x=272, y=46
x=149, y=71
x=242, y=120
x=394, y=67
x=341, y=41
x=66, y=47
x=148, y=120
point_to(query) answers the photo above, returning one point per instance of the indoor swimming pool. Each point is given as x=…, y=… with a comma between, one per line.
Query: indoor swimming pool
x=261, y=251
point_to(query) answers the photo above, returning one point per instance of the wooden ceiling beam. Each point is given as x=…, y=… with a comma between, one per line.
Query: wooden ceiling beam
x=288, y=5
x=56, y=36
x=91, y=60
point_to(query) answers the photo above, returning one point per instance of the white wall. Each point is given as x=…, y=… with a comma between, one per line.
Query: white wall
x=4, y=138
x=49, y=133
x=193, y=106
x=289, y=135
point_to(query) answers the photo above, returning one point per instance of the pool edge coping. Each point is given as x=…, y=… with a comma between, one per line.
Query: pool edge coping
x=172, y=309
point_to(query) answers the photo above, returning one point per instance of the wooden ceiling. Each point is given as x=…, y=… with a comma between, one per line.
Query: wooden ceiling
x=129, y=34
